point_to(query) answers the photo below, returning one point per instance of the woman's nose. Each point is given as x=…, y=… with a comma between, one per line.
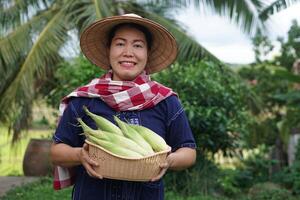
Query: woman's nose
x=128, y=51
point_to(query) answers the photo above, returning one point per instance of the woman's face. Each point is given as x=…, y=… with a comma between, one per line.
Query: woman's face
x=128, y=53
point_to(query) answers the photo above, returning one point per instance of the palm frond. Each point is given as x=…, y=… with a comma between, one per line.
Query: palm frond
x=43, y=53
x=102, y=8
x=275, y=7
x=83, y=13
x=98, y=9
x=14, y=13
x=244, y=13
x=18, y=42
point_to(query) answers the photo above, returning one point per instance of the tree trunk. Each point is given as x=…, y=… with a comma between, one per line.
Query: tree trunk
x=279, y=154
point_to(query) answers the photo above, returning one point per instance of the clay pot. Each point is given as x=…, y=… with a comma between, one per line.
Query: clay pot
x=36, y=161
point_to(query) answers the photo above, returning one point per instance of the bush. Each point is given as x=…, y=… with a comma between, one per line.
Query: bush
x=290, y=176
x=228, y=182
x=215, y=100
x=201, y=179
x=269, y=191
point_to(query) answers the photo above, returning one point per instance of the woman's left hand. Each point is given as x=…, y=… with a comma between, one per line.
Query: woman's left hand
x=181, y=159
x=164, y=167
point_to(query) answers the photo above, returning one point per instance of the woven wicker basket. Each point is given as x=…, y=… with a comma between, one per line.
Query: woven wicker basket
x=117, y=167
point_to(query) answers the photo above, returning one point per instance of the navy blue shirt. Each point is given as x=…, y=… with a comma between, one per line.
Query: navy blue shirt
x=167, y=119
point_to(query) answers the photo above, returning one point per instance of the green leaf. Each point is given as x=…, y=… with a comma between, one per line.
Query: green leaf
x=286, y=75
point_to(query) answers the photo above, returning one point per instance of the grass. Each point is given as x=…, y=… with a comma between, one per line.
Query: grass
x=11, y=155
x=41, y=189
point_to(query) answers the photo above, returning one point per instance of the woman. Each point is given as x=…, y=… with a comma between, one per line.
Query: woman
x=130, y=48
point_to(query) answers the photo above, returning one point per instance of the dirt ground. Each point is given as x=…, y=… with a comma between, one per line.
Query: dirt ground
x=10, y=182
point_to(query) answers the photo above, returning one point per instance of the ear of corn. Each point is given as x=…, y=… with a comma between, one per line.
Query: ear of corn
x=127, y=143
x=118, y=150
x=155, y=140
x=103, y=123
x=89, y=131
x=113, y=138
x=133, y=135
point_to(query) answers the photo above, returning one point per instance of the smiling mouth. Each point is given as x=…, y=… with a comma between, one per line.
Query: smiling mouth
x=127, y=63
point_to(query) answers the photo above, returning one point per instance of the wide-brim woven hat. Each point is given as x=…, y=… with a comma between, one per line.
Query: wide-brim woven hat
x=94, y=39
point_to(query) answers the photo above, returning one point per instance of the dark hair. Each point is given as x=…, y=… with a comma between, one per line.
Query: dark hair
x=141, y=28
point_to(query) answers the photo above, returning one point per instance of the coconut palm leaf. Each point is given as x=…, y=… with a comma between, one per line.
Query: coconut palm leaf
x=19, y=41
x=83, y=13
x=43, y=53
x=14, y=13
x=249, y=15
x=19, y=85
x=244, y=13
x=275, y=7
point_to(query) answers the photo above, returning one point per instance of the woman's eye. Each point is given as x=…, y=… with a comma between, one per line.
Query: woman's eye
x=138, y=45
x=119, y=44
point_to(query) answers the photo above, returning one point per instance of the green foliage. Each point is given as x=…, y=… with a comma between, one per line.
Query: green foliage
x=291, y=98
x=68, y=77
x=252, y=170
x=200, y=179
x=267, y=86
x=262, y=46
x=215, y=100
x=255, y=168
x=290, y=176
x=290, y=49
x=229, y=182
x=269, y=191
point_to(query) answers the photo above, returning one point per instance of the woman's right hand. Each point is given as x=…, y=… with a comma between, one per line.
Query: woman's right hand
x=87, y=162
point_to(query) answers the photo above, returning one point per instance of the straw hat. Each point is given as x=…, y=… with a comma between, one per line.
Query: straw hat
x=93, y=42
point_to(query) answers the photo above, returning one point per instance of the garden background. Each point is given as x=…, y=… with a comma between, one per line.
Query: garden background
x=242, y=116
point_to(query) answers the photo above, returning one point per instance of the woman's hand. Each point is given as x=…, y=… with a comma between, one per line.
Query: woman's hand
x=87, y=162
x=67, y=156
x=181, y=159
x=164, y=167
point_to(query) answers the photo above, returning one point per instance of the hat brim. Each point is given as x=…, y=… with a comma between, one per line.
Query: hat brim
x=93, y=42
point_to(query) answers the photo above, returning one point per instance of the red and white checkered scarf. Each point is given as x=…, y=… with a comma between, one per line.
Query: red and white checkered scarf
x=139, y=94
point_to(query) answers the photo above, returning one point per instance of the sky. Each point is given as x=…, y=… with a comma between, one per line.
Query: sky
x=226, y=41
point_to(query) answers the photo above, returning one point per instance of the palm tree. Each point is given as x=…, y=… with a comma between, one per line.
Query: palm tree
x=32, y=32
